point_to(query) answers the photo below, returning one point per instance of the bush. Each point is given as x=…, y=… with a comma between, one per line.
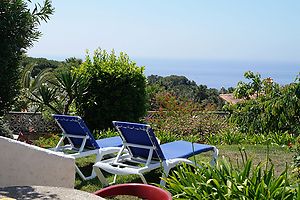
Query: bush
x=183, y=119
x=47, y=141
x=4, y=129
x=227, y=182
x=115, y=90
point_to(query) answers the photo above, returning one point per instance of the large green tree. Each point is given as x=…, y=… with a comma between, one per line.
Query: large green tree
x=18, y=31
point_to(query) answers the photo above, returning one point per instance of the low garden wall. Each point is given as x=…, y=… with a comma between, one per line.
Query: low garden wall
x=24, y=164
x=30, y=121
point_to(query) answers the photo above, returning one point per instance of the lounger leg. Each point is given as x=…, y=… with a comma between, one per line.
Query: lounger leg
x=164, y=175
x=166, y=167
x=93, y=174
x=143, y=178
x=80, y=173
x=98, y=158
x=215, y=156
x=100, y=176
x=115, y=179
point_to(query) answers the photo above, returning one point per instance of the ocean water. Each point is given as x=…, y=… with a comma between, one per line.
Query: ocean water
x=217, y=74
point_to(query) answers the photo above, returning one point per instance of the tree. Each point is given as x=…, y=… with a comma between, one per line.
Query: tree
x=18, y=31
x=246, y=90
x=275, y=108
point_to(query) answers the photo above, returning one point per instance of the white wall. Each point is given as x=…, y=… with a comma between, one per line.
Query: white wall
x=24, y=164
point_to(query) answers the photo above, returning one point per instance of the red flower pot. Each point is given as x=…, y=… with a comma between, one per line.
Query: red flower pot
x=143, y=191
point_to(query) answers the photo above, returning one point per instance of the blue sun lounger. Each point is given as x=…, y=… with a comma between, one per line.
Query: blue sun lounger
x=140, y=146
x=82, y=142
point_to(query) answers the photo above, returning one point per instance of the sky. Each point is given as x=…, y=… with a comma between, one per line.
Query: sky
x=223, y=30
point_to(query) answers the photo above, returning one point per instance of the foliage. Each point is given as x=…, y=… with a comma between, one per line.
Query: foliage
x=40, y=64
x=224, y=181
x=105, y=133
x=231, y=135
x=296, y=159
x=53, y=90
x=49, y=141
x=278, y=155
x=275, y=108
x=178, y=85
x=115, y=89
x=180, y=119
x=71, y=85
x=226, y=91
x=183, y=88
x=246, y=90
x=18, y=30
x=4, y=129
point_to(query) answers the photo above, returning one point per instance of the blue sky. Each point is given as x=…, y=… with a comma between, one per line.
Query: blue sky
x=235, y=30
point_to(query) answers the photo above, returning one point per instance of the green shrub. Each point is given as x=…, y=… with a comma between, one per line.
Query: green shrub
x=48, y=141
x=224, y=181
x=4, y=129
x=115, y=91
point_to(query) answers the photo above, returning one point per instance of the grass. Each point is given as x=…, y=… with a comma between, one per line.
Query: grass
x=258, y=153
x=280, y=156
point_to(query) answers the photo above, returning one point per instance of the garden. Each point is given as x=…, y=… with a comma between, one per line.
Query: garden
x=257, y=138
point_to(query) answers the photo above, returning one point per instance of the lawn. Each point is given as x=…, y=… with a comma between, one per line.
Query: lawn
x=280, y=156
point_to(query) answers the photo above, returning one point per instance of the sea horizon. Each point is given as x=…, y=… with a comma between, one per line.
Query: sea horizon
x=215, y=73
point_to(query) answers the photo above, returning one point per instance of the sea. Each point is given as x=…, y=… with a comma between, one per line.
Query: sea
x=217, y=74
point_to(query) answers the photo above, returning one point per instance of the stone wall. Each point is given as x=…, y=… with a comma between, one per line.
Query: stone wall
x=30, y=121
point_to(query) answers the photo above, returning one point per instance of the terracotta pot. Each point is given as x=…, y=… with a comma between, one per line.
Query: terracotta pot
x=143, y=191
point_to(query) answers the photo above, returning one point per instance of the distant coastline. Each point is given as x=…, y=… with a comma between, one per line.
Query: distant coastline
x=215, y=74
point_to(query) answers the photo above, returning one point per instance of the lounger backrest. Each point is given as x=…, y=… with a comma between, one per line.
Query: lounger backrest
x=139, y=134
x=74, y=125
